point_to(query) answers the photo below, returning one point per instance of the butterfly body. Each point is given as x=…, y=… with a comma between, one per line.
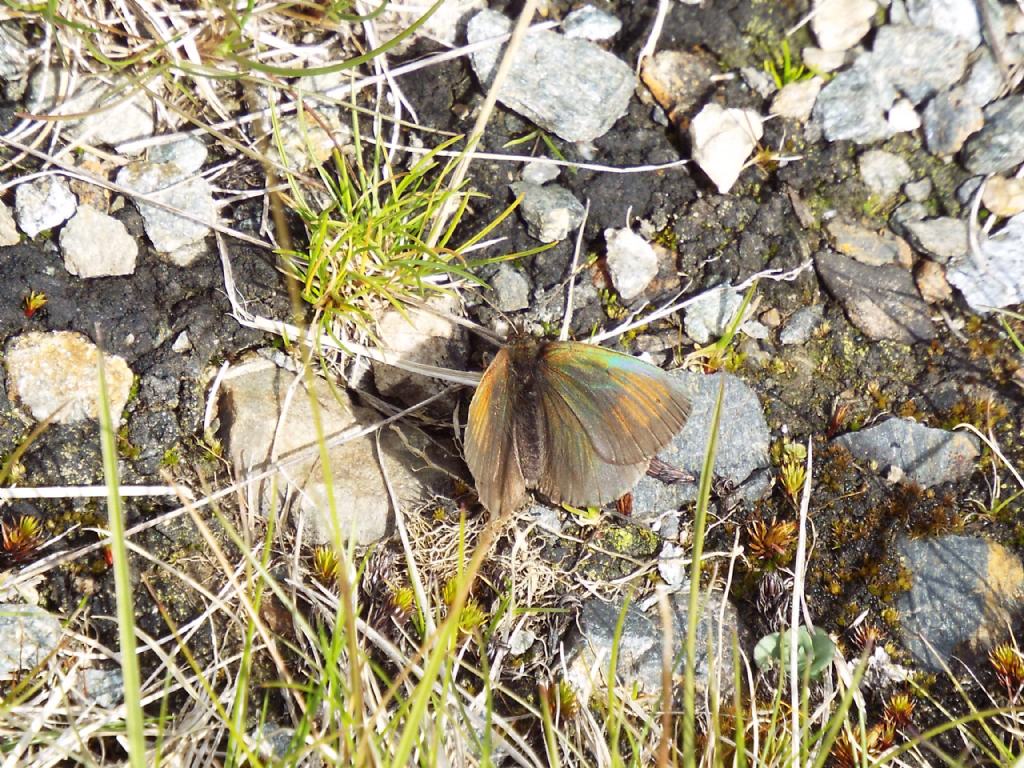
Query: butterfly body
x=576, y=422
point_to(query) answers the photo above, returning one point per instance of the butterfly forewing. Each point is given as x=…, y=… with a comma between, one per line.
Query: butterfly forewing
x=628, y=409
x=574, y=472
x=490, y=447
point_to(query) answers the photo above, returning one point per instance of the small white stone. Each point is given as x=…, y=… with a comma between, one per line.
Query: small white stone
x=823, y=61
x=903, y=118
x=841, y=24
x=723, y=140
x=8, y=229
x=631, y=261
x=97, y=245
x=43, y=204
x=521, y=641
x=591, y=23
x=672, y=564
x=537, y=172
x=182, y=344
x=796, y=100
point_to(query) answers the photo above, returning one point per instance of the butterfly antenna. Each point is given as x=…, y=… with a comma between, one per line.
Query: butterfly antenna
x=563, y=334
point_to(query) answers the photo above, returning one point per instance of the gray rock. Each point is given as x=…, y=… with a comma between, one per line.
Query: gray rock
x=854, y=104
x=883, y=172
x=796, y=100
x=743, y=441
x=709, y=315
x=551, y=212
x=999, y=146
x=949, y=120
x=985, y=81
x=591, y=23
x=188, y=154
x=918, y=191
x=539, y=173
x=511, y=289
x=638, y=646
x=924, y=455
x=8, y=229
x=421, y=336
x=177, y=237
x=115, y=112
x=802, y=324
x=996, y=279
x=15, y=60
x=904, y=215
x=965, y=598
x=867, y=247
x=42, y=204
x=632, y=262
x=251, y=406
x=918, y=61
x=939, y=239
x=104, y=687
x=881, y=301
x=97, y=245
x=28, y=635
x=568, y=86
x=966, y=191
x=956, y=17
x=53, y=375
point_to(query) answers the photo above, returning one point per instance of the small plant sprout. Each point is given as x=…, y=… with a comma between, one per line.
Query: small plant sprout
x=22, y=538
x=784, y=68
x=1009, y=668
x=561, y=699
x=867, y=635
x=473, y=615
x=402, y=601
x=771, y=543
x=899, y=710
x=34, y=302
x=791, y=460
x=326, y=567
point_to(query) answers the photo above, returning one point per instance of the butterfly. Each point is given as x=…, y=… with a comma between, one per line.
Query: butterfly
x=577, y=422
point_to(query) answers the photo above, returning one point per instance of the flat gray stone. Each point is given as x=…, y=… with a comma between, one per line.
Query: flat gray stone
x=883, y=172
x=940, y=239
x=996, y=278
x=104, y=687
x=854, y=105
x=42, y=204
x=172, y=185
x=53, y=375
x=966, y=595
x=925, y=455
x=15, y=60
x=743, y=441
x=881, y=301
x=918, y=61
x=28, y=635
x=511, y=289
x=868, y=247
x=569, y=86
x=918, y=191
x=591, y=23
x=252, y=403
x=709, y=315
x=97, y=245
x=956, y=17
x=551, y=212
x=999, y=146
x=949, y=120
x=802, y=324
x=639, y=644
x=985, y=81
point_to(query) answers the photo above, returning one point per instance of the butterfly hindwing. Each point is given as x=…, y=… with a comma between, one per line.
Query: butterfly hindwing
x=628, y=409
x=490, y=447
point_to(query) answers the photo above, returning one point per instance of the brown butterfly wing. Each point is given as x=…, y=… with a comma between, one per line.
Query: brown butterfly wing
x=628, y=409
x=574, y=472
x=490, y=448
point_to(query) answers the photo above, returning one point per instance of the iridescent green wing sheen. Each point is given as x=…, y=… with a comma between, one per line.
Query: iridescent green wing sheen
x=573, y=471
x=628, y=409
x=490, y=452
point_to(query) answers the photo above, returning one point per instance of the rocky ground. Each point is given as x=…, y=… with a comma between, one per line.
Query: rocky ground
x=862, y=172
